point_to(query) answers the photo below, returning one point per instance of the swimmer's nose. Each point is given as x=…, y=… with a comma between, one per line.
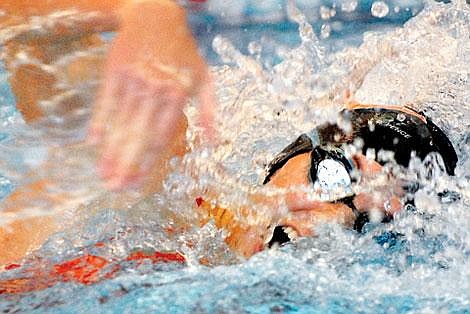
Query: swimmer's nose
x=246, y=241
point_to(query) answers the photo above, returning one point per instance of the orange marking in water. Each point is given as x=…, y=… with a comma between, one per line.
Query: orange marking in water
x=204, y=261
x=12, y=266
x=84, y=269
x=157, y=257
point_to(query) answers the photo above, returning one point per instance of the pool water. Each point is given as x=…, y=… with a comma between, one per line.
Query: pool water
x=267, y=90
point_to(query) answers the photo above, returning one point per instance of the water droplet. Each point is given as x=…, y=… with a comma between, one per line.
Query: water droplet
x=401, y=117
x=370, y=154
x=326, y=13
x=349, y=5
x=254, y=48
x=325, y=31
x=379, y=9
x=358, y=143
x=376, y=215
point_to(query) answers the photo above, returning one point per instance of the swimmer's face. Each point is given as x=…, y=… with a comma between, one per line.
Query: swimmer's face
x=305, y=213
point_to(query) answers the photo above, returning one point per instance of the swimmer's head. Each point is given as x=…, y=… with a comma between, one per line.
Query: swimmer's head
x=317, y=159
x=330, y=170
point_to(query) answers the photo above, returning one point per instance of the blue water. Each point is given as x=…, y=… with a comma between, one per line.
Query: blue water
x=416, y=264
x=283, y=32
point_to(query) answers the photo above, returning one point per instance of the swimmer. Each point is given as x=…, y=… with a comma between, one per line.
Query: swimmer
x=317, y=162
x=123, y=121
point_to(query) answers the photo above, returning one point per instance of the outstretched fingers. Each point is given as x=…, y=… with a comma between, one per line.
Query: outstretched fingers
x=103, y=108
x=135, y=122
x=206, y=101
x=139, y=133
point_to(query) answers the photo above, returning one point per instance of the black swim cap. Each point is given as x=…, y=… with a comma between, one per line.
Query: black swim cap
x=380, y=129
x=403, y=134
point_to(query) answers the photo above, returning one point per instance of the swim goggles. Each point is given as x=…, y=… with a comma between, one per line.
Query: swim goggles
x=331, y=172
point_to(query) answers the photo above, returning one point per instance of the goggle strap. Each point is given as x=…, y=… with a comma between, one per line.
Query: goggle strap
x=314, y=137
x=361, y=217
x=303, y=144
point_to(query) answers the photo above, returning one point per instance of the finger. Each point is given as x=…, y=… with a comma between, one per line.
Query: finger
x=128, y=102
x=305, y=221
x=106, y=166
x=165, y=132
x=302, y=222
x=102, y=109
x=159, y=132
x=119, y=130
x=167, y=118
x=134, y=150
x=206, y=100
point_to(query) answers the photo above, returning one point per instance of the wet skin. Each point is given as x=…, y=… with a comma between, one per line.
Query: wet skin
x=152, y=69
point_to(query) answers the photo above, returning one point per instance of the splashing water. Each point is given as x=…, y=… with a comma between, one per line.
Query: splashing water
x=411, y=264
x=348, y=5
x=379, y=9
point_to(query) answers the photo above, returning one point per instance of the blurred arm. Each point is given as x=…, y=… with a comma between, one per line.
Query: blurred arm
x=97, y=16
x=28, y=8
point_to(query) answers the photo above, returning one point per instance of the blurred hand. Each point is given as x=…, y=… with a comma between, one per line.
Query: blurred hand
x=153, y=68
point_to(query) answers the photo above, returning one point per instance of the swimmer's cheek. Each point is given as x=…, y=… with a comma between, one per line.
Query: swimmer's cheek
x=394, y=206
x=367, y=203
x=246, y=241
x=304, y=222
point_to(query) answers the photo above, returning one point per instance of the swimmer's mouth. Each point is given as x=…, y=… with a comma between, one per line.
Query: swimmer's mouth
x=282, y=235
